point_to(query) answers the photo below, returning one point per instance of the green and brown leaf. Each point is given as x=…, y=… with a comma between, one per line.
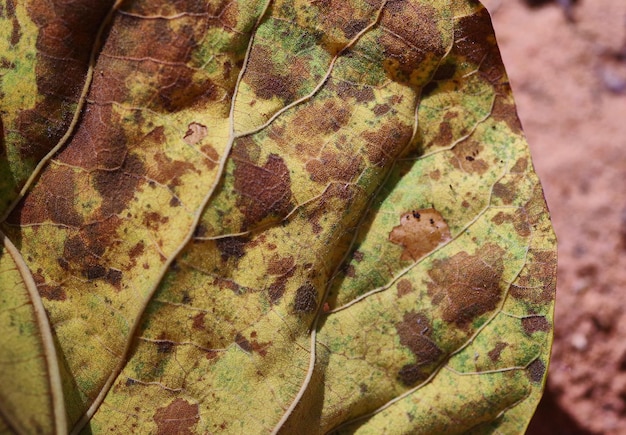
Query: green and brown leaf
x=266, y=216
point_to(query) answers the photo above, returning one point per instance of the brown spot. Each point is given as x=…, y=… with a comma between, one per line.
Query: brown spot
x=114, y=277
x=404, y=287
x=264, y=191
x=444, y=136
x=521, y=165
x=321, y=119
x=537, y=282
x=334, y=166
x=164, y=346
x=385, y=143
x=411, y=36
x=195, y=133
x=52, y=293
x=505, y=191
x=178, y=418
x=212, y=157
x=534, y=324
x=349, y=270
x=232, y=247
x=264, y=80
x=494, y=354
x=284, y=267
x=465, y=157
x=419, y=232
x=243, y=342
x=381, y=109
x=467, y=286
x=64, y=42
x=506, y=111
x=54, y=203
x=136, y=250
x=345, y=90
x=306, y=299
x=536, y=370
x=415, y=333
x=358, y=256
x=474, y=40
x=94, y=271
x=343, y=192
x=117, y=187
x=518, y=218
x=260, y=348
x=198, y=321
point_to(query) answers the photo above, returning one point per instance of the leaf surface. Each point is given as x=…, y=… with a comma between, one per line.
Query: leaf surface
x=261, y=216
x=31, y=394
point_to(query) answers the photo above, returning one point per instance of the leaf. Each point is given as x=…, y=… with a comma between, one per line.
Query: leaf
x=261, y=216
x=31, y=395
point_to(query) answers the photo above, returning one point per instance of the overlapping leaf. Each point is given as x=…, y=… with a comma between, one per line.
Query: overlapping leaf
x=261, y=216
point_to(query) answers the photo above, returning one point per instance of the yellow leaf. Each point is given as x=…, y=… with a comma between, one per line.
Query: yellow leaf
x=281, y=216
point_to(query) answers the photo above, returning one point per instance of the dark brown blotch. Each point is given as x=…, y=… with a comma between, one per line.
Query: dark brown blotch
x=384, y=144
x=232, y=247
x=474, y=39
x=117, y=187
x=179, y=417
x=264, y=80
x=467, y=286
x=494, y=354
x=198, y=321
x=263, y=190
x=465, y=156
x=536, y=370
x=283, y=268
x=50, y=292
x=411, y=36
x=243, y=342
x=306, y=299
x=535, y=323
x=415, y=332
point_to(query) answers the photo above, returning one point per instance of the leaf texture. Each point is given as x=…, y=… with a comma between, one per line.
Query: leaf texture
x=264, y=216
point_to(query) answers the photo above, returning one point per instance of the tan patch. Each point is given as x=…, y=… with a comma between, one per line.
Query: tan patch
x=195, y=133
x=467, y=286
x=179, y=417
x=419, y=232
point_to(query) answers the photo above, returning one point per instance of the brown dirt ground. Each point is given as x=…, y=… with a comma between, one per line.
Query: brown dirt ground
x=569, y=80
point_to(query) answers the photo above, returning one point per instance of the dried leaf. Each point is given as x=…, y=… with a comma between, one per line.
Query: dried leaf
x=255, y=216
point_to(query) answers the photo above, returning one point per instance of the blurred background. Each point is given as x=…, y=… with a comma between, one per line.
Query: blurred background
x=566, y=61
